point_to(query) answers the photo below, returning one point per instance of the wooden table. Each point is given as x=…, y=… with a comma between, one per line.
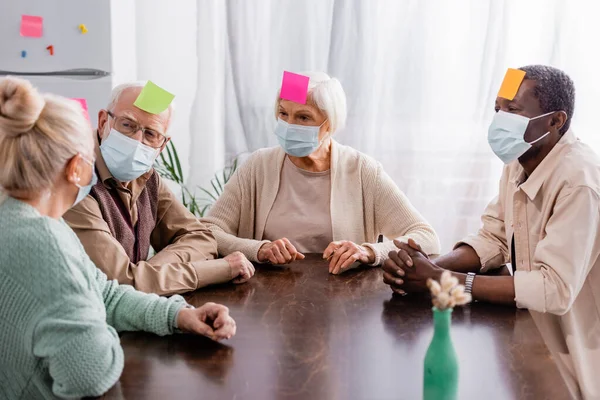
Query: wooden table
x=305, y=334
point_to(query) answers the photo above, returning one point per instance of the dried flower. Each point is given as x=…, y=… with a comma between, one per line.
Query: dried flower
x=448, y=281
x=434, y=287
x=442, y=300
x=447, y=293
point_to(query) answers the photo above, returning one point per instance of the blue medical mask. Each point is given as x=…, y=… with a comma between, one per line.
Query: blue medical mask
x=298, y=140
x=506, y=135
x=126, y=158
x=85, y=190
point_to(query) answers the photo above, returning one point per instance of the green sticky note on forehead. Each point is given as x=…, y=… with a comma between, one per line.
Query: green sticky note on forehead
x=153, y=99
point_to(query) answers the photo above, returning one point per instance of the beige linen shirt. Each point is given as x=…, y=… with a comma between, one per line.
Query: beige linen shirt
x=186, y=249
x=554, y=215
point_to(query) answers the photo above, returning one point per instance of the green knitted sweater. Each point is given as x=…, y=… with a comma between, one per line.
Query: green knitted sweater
x=59, y=315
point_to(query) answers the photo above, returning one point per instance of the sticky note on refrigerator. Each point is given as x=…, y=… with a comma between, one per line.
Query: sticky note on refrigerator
x=84, y=106
x=294, y=87
x=153, y=99
x=31, y=26
x=511, y=83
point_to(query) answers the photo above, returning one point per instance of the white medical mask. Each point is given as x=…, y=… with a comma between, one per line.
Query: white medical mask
x=126, y=158
x=85, y=190
x=506, y=135
x=298, y=140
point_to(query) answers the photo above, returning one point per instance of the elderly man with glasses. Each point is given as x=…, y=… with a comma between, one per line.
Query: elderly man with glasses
x=131, y=210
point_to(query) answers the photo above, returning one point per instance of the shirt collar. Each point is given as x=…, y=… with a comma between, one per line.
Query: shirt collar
x=534, y=182
x=103, y=172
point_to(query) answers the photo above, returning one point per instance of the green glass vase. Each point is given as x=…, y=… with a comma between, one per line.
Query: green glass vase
x=441, y=364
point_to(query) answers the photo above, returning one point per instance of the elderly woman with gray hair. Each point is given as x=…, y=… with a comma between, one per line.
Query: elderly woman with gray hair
x=314, y=195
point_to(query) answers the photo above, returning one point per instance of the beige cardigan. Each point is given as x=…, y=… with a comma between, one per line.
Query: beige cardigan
x=365, y=203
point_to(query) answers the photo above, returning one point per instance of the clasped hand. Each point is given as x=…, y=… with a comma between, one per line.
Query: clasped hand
x=342, y=254
x=409, y=268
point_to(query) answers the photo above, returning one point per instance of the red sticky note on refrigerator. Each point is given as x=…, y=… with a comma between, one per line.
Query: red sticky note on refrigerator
x=31, y=26
x=84, y=105
x=294, y=87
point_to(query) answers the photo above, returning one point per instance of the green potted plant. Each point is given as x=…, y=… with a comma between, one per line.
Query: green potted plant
x=168, y=167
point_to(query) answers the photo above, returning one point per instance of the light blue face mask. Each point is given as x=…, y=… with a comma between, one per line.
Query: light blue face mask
x=506, y=135
x=85, y=190
x=126, y=158
x=298, y=140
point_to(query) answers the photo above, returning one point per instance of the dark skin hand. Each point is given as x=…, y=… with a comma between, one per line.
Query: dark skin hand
x=408, y=269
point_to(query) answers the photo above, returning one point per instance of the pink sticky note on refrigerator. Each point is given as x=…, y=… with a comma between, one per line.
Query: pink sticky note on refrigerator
x=31, y=26
x=84, y=105
x=294, y=87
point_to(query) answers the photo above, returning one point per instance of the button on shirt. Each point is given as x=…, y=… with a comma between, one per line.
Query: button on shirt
x=554, y=215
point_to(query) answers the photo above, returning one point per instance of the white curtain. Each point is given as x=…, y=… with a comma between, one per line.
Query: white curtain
x=420, y=76
x=156, y=40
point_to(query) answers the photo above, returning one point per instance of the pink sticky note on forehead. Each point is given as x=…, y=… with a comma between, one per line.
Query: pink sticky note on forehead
x=294, y=87
x=31, y=26
x=84, y=105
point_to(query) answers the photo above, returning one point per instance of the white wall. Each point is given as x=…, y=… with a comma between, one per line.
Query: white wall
x=123, y=41
x=165, y=53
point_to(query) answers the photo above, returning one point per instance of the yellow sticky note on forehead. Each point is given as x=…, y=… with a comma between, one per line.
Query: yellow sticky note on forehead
x=510, y=84
x=153, y=99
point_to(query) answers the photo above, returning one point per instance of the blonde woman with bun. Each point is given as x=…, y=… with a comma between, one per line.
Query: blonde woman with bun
x=59, y=315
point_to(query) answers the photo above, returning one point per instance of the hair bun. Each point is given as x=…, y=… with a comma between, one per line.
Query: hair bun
x=20, y=106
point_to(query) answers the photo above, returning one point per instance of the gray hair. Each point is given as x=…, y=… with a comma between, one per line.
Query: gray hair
x=554, y=89
x=119, y=89
x=329, y=97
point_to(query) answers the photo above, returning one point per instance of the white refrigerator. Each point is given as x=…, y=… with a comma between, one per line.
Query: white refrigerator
x=81, y=63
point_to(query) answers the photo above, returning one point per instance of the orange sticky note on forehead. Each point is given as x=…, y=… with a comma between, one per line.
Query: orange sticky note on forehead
x=510, y=84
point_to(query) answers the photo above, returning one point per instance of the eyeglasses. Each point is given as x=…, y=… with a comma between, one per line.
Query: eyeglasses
x=130, y=128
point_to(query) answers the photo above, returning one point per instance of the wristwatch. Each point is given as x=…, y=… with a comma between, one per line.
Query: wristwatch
x=469, y=282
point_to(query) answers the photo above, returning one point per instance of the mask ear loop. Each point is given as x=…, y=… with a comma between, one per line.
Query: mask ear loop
x=78, y=178
x=327, y=136
x=542, y=116
x=545, y=134
x=540, y=138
